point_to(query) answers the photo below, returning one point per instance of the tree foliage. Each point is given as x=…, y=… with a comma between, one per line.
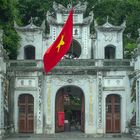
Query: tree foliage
x=23, y=10
x=9, y=13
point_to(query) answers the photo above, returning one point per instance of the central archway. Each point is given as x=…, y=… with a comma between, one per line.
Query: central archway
x=69, y=109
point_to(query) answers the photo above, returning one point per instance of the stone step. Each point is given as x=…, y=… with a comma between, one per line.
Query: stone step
x=67, y=135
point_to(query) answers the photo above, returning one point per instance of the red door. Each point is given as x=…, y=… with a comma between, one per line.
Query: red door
x=26, y=113
x=113, y=114
x=59, y=111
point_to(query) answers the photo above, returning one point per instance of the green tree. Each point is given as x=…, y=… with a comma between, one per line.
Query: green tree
x=117, y=10
x=8, y=14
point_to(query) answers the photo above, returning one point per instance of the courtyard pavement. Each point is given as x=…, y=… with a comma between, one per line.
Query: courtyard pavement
x=68, y=136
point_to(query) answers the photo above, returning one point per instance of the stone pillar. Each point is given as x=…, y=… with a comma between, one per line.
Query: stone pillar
x=1, y=110
x=136, y=130
x=137, y=68
x=138, y=103
x=1, y=89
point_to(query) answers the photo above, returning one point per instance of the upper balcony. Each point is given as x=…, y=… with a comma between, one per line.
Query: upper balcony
x=71, y=64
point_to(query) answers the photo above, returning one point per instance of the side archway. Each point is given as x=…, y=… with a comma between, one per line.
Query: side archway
x=113, y=113
x=26, y=113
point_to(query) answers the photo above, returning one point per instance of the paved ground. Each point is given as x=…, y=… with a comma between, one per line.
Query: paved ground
x=69, y=139
x=68, y=136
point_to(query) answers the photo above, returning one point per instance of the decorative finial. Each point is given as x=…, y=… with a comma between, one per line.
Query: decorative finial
x=31, y=20
x=95, y=23
x=43, y=25
x=107, y=18
x=1, y=34
x=124, y=23
x=139, y=31
x=15, y=24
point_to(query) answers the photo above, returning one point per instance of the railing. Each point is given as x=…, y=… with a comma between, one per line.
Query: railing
x=117, y=62
x=78, y=63
x=24, y=64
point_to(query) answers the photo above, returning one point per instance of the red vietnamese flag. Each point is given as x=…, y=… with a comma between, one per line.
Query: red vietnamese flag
x=60, y=46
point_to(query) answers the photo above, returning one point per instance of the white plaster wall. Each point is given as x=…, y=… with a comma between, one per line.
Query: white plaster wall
x=137, y=63
x=124, y=91
x=31, y=38
x=80, y=18
x=102, y=42
x=38, y=118
x=59, y=18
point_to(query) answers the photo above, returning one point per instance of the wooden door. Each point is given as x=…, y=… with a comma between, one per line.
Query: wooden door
x=59, y=108
x=26, y=113
x=83, y=115
x=113, y=114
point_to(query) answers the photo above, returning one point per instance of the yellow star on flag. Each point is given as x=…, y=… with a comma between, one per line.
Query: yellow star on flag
x=61, y=43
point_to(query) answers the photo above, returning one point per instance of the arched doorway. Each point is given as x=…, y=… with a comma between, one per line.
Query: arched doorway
x=113, y=117
x=29, y=52
x=69, y=109
x=26, y=113
x=110, y=52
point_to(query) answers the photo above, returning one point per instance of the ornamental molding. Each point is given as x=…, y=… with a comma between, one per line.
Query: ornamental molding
x=100, y=91
x=68, y=79
x=72, y=72
x=108, y=36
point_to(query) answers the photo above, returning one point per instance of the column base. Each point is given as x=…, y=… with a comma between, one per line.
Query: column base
x=135, y=131
x=1, y=134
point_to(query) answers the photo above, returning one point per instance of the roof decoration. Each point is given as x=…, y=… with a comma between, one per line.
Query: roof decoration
x=79, y=8
x=30, y=27
x=109, y=27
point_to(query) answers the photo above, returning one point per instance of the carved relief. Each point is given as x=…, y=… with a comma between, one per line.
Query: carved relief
x=29, y=37
x=108, y=36
x=39, y=111
x=54, y=33
x=39, y=102
x=100, y=100
x=113, y=82
x=5, y=91
x=69, y=79
x=26, y=82
x=85, y=42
